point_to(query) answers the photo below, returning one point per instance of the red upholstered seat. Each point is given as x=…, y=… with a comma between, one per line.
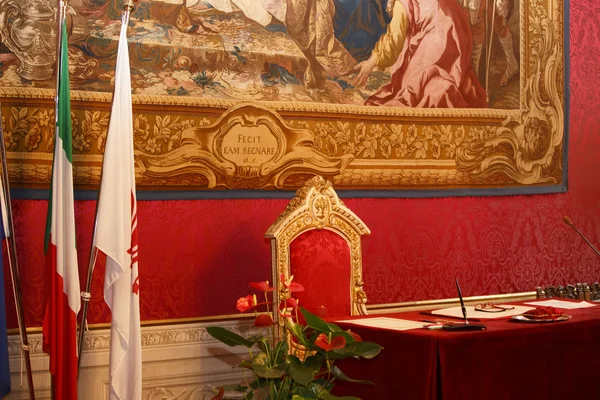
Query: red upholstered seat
x=320, y=261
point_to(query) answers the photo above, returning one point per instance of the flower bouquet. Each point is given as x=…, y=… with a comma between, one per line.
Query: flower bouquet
x=298, y=361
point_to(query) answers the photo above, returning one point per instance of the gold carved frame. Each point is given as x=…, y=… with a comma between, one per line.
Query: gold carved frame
x=317, y=206
x=184, y=143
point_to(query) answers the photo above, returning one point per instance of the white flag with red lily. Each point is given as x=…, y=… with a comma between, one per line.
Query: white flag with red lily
x=62, y=279
x=116, y=236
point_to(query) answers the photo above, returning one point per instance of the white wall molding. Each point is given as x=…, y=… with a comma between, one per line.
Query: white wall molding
x=179, y=362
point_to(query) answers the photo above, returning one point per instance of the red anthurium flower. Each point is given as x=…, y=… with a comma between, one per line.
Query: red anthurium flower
x=355, y=336
x=337, y=342
x=286, y=307
x=263, y=320
x=295, y=287
x=262, y=286
x=291, y=286
x=245, y=303
x=291, y=302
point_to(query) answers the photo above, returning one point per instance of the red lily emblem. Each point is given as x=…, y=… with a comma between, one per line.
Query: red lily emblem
x=136, y=286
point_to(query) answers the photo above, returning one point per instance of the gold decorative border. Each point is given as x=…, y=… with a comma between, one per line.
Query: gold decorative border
x=78, y=96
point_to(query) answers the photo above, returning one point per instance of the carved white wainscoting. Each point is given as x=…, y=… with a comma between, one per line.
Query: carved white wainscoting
x=179, y=362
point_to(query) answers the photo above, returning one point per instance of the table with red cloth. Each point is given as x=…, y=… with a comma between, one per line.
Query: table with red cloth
x=509, y=360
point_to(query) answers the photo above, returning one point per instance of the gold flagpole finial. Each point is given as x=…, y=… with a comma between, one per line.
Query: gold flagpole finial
x=129, y=5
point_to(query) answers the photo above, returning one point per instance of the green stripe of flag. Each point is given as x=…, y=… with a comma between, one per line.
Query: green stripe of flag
x=63, y=122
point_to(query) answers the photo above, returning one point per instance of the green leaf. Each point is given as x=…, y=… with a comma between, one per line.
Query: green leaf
x=261, y=367
x=264, y=345
x=303, y=393
x=246, y=364
x=357, y=349
x=304, y=372
x=235, y=388
x=334, y=328
x=328, y=385
x=259, y=383
x=283, y=388
x=275, y=372
x=314, y=322
x=228, y=337
x=343, y=377
x=255, y=338
x=280, y=352
x=296, y=330
x=323, y=394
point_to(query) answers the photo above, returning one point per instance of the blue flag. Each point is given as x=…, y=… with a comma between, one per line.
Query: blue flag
x=4, y=368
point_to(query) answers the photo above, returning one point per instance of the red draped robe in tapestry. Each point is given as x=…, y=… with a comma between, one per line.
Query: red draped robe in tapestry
x=434, y=66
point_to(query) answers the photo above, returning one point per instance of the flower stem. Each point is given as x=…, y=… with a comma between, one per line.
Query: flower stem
x=267, y=301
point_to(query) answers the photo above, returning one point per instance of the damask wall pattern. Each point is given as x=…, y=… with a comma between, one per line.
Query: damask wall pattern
x=196, y=257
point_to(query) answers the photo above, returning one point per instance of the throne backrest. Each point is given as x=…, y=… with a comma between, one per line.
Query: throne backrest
x=310, y=239
x=320, y=260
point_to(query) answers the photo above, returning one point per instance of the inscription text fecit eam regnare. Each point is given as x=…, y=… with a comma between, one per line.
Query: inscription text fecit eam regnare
x=250, y=146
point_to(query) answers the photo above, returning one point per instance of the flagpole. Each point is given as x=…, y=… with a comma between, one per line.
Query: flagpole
x=14, y=267
x=86, y=296
x=489, y=50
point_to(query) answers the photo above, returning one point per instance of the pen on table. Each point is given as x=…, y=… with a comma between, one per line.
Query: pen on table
x=433, y=326
x=462, y=303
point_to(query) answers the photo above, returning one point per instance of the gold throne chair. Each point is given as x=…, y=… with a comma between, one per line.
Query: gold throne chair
x=317, y=239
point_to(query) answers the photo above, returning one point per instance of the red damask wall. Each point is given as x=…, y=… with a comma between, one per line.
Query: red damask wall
x=196, y=257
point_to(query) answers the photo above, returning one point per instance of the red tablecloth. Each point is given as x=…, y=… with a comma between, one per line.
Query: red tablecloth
x=510, y=360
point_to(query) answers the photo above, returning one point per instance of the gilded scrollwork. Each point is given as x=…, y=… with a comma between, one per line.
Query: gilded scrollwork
x=248, y=147
x=528, y=148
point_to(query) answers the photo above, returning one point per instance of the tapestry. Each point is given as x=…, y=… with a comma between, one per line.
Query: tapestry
x=417, y=95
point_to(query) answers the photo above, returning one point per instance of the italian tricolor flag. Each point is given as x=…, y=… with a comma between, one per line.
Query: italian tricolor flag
x=62, y=276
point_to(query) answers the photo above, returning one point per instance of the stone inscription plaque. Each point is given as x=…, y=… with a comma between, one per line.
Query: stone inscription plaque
x=249, y=146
